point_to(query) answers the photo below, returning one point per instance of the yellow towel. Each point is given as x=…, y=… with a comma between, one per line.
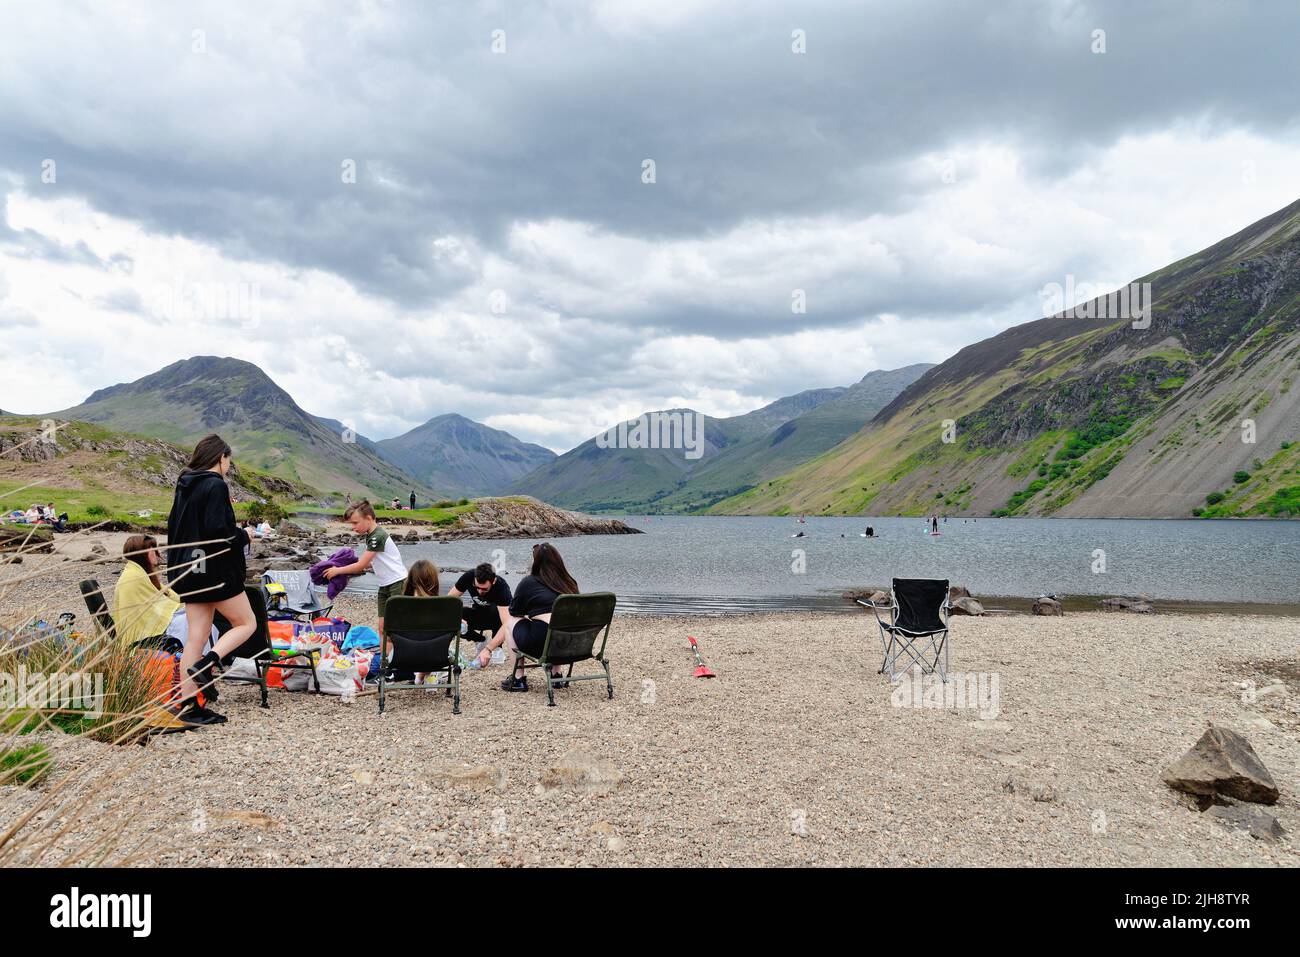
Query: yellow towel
x=139, y=609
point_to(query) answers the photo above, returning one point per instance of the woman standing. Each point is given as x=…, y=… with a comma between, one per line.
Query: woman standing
x=206, y=569
x=530, y=612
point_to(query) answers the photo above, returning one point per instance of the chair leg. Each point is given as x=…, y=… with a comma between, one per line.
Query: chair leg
x=261, y=680
x=609, y=681
x=455, y=702
x=381, y=692
x=550, y=691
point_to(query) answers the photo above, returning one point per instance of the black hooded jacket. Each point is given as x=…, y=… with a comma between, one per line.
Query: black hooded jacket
x=201, y=512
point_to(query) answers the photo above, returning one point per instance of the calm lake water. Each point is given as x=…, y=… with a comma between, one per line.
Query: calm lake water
x=720, y=565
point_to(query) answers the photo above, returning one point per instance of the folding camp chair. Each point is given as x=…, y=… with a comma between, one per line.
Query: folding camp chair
x=98, y=607
x=266, y=656
x=425, y=636
x=576, y=622
x=917, y=626
x=291, y=594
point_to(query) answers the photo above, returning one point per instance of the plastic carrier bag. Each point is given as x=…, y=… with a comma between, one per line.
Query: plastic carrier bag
x=339, y=676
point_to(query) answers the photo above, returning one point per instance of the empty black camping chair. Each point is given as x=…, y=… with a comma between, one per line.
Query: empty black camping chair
x=917, y=626
x=424, y=635
x=266, y=656
x=291, y=594
x=576, y=622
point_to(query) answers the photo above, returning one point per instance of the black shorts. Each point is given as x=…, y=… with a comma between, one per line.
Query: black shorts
x=530, y=636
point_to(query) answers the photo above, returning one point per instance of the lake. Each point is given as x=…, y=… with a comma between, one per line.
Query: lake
x=706, y=564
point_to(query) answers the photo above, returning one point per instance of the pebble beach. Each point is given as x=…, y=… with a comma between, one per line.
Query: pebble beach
x=797, y=753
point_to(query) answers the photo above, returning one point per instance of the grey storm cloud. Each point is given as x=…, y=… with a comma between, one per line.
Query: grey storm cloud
x=242, y=145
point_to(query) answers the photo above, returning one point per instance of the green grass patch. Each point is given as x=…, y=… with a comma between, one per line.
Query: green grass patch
x=25, y=764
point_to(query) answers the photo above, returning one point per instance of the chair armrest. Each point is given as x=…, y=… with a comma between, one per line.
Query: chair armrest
x=875, y=609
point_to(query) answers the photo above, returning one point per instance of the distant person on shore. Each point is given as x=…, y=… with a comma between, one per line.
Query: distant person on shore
x=205, y=566
x=490, y=599
x=142, y=606
x=530, y=613
x=381, y=553
x=412, y=500
x=58, y=520
x=934, y=524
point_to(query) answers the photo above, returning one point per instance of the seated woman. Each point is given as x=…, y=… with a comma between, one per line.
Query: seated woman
x=530, y=613
x=142, y=606
x=421, y=582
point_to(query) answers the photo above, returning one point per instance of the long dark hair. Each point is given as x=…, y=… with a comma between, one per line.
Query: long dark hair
x=136, y=549
x=210, y=450
x=548, y=568
x=421, y=579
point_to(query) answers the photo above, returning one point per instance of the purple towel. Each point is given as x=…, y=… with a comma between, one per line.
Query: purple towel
x=344, y=556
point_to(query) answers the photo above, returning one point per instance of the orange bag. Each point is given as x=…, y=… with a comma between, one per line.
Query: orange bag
x=275, y=677
x=281, y=633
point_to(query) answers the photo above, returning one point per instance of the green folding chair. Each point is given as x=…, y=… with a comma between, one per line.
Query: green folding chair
x=424, y=634
x=577, y=621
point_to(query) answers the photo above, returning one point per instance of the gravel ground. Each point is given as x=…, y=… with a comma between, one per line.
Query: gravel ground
x=794, y=754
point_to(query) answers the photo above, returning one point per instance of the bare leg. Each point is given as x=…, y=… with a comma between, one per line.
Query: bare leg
x=239, y=613
x=198, y=619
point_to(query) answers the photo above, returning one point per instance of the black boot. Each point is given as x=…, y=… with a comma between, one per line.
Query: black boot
x=204, y=672
x=190, y=712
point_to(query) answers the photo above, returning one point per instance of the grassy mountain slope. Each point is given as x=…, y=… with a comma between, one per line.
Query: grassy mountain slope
x=462, y=457
x=97, y=474
x=190, y=398
x=791, y=442
x=1079, y=416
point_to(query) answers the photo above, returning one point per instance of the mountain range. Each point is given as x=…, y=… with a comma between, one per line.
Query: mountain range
x=1186, y=409
x=1189, y=410
x=459, y=456
x=736, y=452
x=451, y=455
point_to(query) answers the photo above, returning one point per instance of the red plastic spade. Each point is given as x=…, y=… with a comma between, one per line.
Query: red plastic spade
x=701, y=669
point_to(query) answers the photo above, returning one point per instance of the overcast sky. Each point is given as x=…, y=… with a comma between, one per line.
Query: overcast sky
x=179, y=182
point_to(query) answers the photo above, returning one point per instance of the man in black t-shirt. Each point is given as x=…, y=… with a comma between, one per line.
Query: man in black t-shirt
x=489, y=597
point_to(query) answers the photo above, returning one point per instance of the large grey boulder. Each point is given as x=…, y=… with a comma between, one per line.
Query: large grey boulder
x=1047, y=606
x=1222, y=764
x=966, y=606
